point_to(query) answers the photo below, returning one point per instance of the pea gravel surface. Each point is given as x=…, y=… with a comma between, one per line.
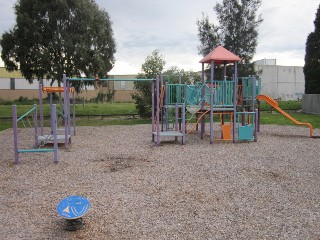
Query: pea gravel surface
x=268, y=189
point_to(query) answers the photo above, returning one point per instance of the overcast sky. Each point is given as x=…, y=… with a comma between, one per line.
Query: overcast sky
x=141, y=26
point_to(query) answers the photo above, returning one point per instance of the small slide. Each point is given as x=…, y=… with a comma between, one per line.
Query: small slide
x=275, y=105
x=196, y=123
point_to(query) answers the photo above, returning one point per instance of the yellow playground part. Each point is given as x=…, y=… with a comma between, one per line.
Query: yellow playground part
x=275, y=105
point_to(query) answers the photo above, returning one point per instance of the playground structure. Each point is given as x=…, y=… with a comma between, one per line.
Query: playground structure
x=25, y=118
x=234, y=99
x=177, y=109
x=56, y=116
x=219, y=98
x=64, y=115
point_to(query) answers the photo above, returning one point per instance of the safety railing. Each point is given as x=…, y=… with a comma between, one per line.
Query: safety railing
x=247, y=84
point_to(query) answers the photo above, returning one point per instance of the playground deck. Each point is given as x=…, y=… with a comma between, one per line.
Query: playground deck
x=263, y=190
x=49, y=138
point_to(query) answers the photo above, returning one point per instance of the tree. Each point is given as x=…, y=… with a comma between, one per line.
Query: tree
x=311, y=67
x=237, y=31
x=51, y=38
x=173, y=74
x=152, y=67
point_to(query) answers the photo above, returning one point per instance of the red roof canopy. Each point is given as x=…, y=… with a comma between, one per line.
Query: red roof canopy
x=220, y=55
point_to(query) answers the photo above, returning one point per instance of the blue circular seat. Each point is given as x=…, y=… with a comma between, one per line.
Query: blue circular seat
x=73, y=207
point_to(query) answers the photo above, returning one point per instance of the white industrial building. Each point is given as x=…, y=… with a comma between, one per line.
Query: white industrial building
x=285, y=82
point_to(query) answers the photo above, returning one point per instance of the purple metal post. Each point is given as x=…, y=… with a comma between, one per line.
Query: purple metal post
x=51, y=102
x=256, y=125
x=54, y=133
x=152, y=112
x=35, y=125
x=179, y=92
x=68, y=107
x=243, y=109
x=65, y=111
x=253, y=93
x=211, y=102
x=15, y=134
x=74, y=113
x=183, y=123
x=158, y=110
x=41, y=109
x=176, y=124
x=166, y=108
x=235, y=101
x=202, y=104
x=259, y=104
x=242, y=92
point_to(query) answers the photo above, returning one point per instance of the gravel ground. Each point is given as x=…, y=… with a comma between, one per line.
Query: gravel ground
x=264, y=190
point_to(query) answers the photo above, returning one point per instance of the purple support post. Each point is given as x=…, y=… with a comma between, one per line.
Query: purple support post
x=54, y=133
x=152, y=111
x=253, y=92
x=242, y=92
x=158, y=111
x=65, y=111
x=203, y=122
x=183, y=124
x=51, y=102
x=166, y=109
x=259, y=104
x=235, y=101
x=243, y=109
x=41, y=109
x=15, y=134
x=176, y=124
x=211, y=102
x=180, y=99
x=74, y=113
x=35, y=125
x=68, y=107
x=256, y=125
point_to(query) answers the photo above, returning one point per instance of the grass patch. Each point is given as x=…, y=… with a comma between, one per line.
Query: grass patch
x=5, y=125
x=105, y=108
x=284, y=105
x=267, y=117
x=107, y=122
x=279, y=119
x=88, y=108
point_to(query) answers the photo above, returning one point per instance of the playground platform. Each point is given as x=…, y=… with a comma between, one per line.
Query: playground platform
x=49, y=138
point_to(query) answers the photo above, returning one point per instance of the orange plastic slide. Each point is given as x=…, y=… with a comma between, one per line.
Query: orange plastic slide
x=195, y=124
x=275, y=105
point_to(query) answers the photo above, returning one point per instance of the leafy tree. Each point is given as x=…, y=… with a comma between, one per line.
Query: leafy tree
x=173, y=74
x=311, y=67
x=51, y=38
x=237, y=31
x=208, y=35
x=152, y=67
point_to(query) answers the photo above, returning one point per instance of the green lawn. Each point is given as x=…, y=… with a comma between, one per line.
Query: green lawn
x=279, y=119
x=88, y=108
x=284, y=105
x=267, y=116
